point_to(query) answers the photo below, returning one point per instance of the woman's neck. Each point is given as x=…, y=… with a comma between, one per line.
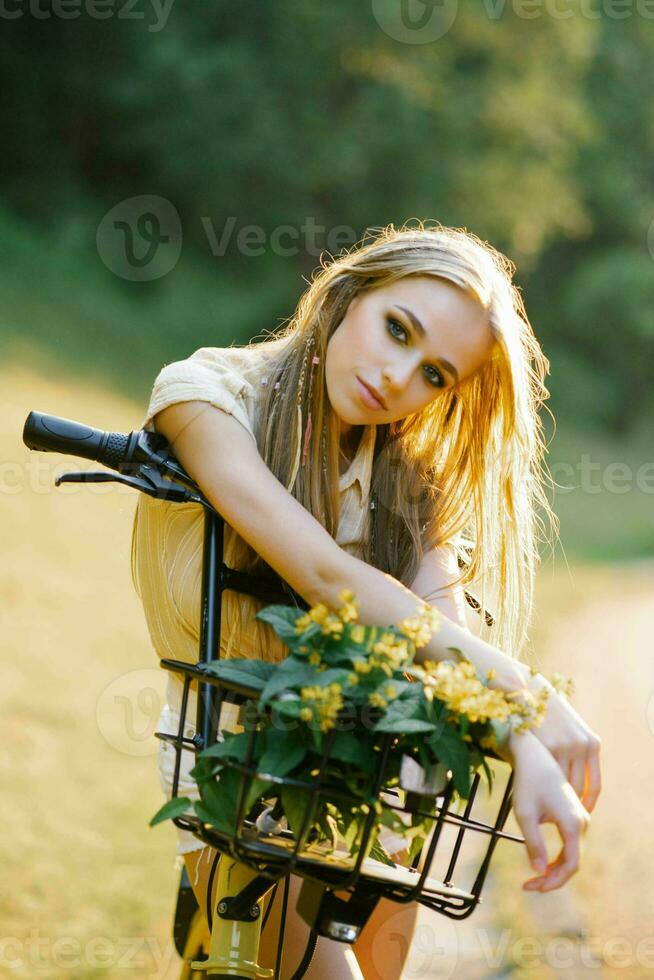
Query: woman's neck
x=349, y=443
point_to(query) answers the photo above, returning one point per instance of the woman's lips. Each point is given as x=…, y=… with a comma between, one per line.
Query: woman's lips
x=368, y=398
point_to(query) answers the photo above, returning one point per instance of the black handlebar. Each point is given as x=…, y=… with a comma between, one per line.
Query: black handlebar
x=52, y=434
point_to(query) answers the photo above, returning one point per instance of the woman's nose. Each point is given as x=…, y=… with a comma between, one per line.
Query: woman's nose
x=398, y=376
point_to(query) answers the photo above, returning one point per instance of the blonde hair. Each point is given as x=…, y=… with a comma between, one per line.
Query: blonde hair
x=467, y=470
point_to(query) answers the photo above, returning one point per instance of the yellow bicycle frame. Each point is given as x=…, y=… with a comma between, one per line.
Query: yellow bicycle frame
x=234, y=947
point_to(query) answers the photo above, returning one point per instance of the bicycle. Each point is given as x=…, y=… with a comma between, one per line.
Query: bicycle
x=260, y=853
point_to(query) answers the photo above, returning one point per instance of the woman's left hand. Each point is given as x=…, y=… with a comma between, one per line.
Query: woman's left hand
x=574, y=745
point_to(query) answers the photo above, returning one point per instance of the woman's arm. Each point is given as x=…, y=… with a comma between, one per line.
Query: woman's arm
x=438, y=569
x=221, y=456
x=382, y=599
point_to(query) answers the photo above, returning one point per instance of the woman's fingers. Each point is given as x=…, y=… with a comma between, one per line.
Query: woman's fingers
x=536, y=850
x=577, y=774
x=581, y=768
x=567, y=863
x=594, y=776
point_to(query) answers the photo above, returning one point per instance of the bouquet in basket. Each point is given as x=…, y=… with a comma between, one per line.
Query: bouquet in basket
x=352, y=685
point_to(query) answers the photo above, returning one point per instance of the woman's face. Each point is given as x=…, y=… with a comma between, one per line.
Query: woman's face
x=411, y=341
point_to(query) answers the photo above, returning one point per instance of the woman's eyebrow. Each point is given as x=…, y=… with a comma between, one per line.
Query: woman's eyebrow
x=418, y=327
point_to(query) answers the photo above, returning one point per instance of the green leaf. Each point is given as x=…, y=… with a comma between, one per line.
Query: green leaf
x=413, y=691
x=350, y=833
x=220, y=798
x=248, y=673
x=399, y=711
x=379, y=853
x=404, y=726
x=454, y=754
x=334, y=675
x=489, y=775
x=289, y=674
x=172, y=808
x=288, y=709
x=258, y=788
x=348, y=747
x=234, y=746
x=215, y=820
x=282, y=619
x=295, y=802
x=203, y=770
x=342, y=652
x=283, y=753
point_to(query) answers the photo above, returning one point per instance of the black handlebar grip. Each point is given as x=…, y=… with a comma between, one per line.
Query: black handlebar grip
x=52, y=434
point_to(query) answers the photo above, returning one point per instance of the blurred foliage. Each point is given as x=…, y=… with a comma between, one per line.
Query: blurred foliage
x=534, y=132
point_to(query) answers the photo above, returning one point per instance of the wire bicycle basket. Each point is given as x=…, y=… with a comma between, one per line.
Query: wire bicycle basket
x=449, y=872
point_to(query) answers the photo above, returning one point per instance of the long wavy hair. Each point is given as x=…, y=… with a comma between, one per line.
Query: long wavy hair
x=467, y=470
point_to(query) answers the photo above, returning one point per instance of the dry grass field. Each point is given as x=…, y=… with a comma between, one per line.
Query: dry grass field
x=89, y=887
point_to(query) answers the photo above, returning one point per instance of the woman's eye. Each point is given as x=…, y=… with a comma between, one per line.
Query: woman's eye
x=435, y=378
x=394, y=323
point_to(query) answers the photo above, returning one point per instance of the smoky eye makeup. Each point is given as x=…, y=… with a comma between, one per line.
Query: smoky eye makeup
x=435, y=379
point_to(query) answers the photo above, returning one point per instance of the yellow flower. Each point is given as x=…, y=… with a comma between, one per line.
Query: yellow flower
x=314, y=658
x=352, y=678
x=302, y=623
x=332, y=625
x=390, y=653
x=326, y=701
x=457, y=685
x=377, y=700
x=462, y=692
x=421, y=628
x=358, y=633
x=349, y=612
x=306, y=714
x=391, y=692
x=562, y=684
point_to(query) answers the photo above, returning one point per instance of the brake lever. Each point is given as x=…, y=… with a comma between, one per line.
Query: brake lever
x=150, y=481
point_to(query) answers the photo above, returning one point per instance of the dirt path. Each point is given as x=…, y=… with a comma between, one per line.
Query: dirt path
x=595, y=626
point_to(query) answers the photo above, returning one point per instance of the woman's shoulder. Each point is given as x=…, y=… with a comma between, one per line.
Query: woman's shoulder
x=228, y=377
x=244, y=362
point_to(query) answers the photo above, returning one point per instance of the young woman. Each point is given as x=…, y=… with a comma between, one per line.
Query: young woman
x=386, y=438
